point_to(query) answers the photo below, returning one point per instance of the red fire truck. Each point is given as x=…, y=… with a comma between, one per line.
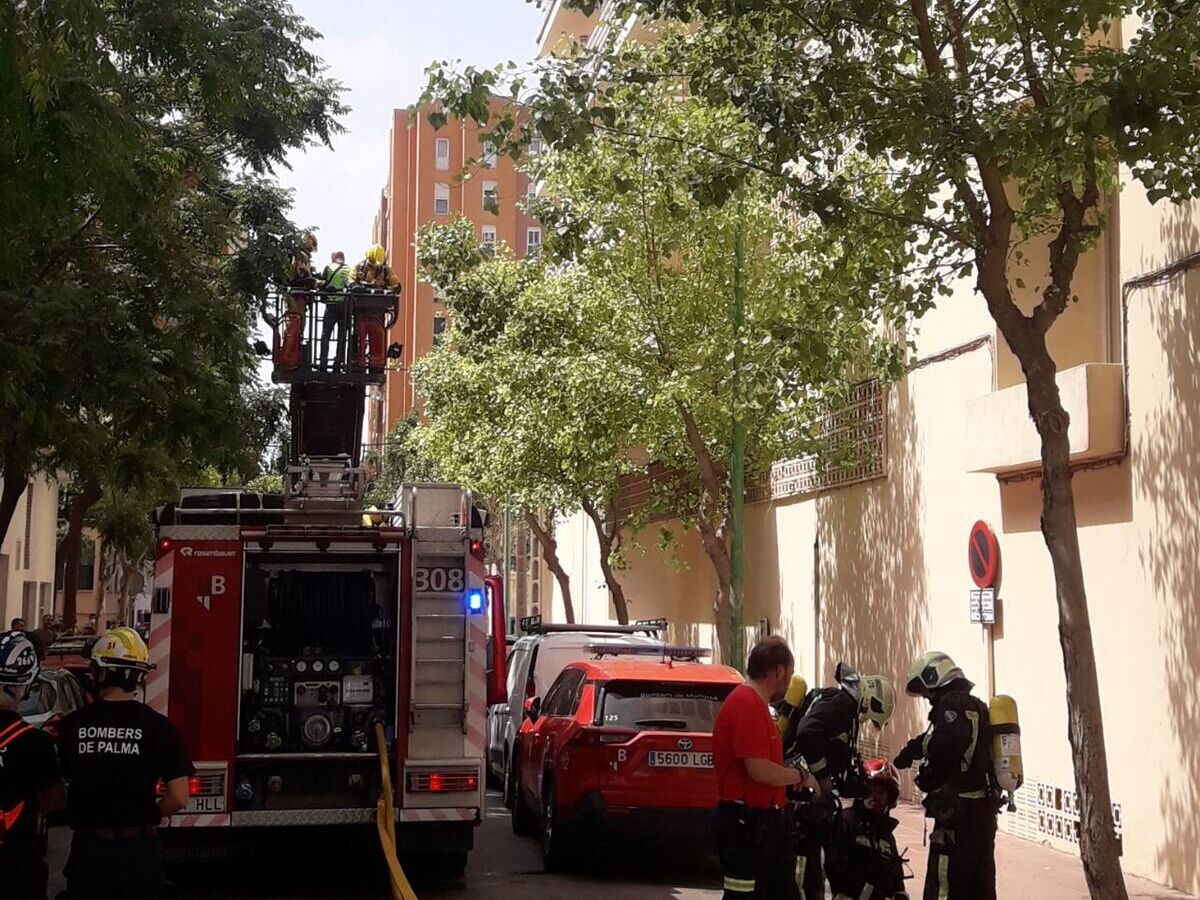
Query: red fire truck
x=284, y=627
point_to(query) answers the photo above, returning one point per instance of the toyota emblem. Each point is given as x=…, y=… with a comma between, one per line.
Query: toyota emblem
x=685, y=743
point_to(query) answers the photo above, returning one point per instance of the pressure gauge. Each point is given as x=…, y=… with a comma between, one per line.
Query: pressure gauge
x=318, y=667
x=335, y=666
x=301, y=666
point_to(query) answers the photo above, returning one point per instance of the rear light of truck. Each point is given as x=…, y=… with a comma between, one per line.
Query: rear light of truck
x=599, y=737
x=199, y=785
x=443, y=782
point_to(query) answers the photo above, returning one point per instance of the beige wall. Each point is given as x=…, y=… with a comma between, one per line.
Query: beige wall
x=27, y=555
x=876, y=573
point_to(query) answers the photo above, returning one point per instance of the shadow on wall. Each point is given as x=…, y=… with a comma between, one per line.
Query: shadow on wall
x=872, y=571
x=1166, y=457
x=761, y=587
x=1102, y=497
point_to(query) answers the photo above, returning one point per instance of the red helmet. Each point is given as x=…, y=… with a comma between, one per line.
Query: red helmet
x=881, y=771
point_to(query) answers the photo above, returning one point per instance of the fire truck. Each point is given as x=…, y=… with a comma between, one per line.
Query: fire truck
x=285, y=627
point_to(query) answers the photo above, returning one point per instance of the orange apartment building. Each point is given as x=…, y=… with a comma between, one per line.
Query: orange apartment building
x=427, y=184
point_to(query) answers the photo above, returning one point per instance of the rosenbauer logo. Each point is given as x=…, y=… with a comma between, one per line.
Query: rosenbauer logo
x=192, y=551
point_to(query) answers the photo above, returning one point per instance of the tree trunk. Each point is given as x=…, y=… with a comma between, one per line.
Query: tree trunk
x=549, y=547
x=1098, y=846
x=717, y=550
x=80, y=504
x=16, y=479
x=608, y=533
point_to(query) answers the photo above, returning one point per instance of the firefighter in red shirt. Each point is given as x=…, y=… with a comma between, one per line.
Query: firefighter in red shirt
x=757, y=861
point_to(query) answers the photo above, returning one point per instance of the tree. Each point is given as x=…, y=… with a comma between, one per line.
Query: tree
x=543, y=419
x=140, y=231
x=399, y=462
x=1002, y=126
x=632, y=203
x=463, y=383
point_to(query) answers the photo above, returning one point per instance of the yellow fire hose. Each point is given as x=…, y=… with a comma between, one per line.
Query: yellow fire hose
x=385, y=821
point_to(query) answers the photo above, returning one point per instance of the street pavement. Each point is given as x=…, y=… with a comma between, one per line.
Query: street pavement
x=504, y=867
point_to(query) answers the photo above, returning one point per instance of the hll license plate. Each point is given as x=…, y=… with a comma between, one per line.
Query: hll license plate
x=679, y=759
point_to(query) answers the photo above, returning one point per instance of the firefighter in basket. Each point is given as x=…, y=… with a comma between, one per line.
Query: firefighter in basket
x=372, y=275
x=823, y=731
x=114, y=753
x=301, y=283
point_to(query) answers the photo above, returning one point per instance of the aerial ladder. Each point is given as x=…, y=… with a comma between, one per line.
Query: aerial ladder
x=326, y=469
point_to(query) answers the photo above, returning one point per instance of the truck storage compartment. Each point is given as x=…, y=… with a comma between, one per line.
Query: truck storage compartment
x=318, y=671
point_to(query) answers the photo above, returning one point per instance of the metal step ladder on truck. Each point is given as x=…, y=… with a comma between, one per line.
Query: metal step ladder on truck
x=284, y=627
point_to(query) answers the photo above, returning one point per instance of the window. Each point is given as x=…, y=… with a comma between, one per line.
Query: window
x=441, y=153
x=490, y=196
x=439, y=329
x=487, y=241
x=441, y=199
x=87, y=564
x=662, y=706
x=536, y=145
x=533, y=242
x=563, y=696
x=489, y=158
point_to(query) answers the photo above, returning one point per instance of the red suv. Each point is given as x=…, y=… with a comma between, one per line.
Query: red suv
x=620, y=741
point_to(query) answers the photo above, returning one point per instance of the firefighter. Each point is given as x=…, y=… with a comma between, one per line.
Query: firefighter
x=751, y=828
x=826, y=737
x=863, y=860
x=956, y=777
x=301, y=282
x=336, y=278
x=114, y=752
x=372, y=274
x=30, y=783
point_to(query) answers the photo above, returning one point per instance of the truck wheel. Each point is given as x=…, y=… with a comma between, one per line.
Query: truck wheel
x=558, y=853
x=510, y=782
x=523, y=822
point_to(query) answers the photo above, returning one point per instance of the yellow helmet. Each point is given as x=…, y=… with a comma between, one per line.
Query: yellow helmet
x=877, y=699
x=376, y=254
x=121, y=648
x=930, y=671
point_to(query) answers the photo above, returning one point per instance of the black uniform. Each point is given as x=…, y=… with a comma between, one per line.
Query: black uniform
x=825, y=738
x=957, y=777
x=863, y=861
x=28, y=767
x=113, y=754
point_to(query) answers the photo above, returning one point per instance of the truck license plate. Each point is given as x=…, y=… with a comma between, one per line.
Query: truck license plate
x=678, y=759
x=206, y=805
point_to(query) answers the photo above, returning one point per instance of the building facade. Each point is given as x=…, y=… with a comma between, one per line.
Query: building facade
x=27, y=555
x=871, y=566
x=436, y=175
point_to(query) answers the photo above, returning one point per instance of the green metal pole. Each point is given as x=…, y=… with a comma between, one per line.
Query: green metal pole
x=737, y=465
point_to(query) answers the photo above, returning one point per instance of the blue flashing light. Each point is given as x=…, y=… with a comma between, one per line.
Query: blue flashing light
x=475, y=600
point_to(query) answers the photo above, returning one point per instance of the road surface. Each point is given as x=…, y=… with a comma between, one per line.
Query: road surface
x=501, y=867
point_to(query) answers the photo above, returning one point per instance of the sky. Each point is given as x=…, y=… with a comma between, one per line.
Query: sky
x=379, y=49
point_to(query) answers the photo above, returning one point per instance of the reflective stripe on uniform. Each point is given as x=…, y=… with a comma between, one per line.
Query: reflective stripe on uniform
x=801, y=868
x=969, y=755
x=867, y=890
x=943, y=877
x=818, y=766
x=739, y=885
x=973, y=795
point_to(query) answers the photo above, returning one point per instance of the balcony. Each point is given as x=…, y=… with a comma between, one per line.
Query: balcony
x=1001, y=437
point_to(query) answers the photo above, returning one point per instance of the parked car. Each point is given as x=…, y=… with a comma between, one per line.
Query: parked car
x=55, y=693
x=73, y=654
x=534, y=661
x=621, y=740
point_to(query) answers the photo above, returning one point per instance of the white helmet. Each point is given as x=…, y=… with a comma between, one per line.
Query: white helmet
x=877, y=699
x=19, y=666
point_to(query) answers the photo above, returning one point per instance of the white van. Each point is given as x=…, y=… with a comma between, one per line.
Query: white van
x=534, y=661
